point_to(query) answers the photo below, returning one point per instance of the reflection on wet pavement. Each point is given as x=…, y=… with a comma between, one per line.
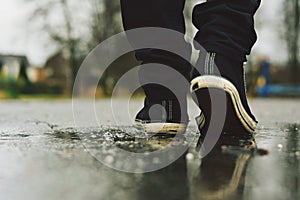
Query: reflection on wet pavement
x=221, y=177
x=51, y=161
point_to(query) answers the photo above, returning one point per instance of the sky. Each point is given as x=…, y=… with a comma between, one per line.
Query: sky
x=19, y=37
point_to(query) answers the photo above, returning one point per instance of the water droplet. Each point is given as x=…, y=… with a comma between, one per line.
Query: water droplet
x=189, y=156
x=109, y=159
x=156, y=160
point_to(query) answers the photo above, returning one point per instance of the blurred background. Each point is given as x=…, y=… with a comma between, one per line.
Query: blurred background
x=43, y=43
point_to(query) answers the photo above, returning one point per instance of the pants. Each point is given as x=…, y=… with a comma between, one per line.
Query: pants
x=225, y=27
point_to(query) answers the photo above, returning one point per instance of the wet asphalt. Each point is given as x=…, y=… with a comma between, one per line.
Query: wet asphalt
x=45, y=154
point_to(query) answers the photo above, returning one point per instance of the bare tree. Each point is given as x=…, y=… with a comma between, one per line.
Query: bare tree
x=61, y=32
x=71, y=44
x=103, y=21
x=292, y=35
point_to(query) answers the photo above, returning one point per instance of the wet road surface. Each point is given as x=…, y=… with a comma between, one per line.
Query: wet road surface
x=45, y=155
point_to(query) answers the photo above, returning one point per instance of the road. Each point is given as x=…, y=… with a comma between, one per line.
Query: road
x=45, y=154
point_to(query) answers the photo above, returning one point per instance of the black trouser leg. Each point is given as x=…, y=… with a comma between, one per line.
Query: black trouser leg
x=154, y=13
x=164, y=14
x=226, y=27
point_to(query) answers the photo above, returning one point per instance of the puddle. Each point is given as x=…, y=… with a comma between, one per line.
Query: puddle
x=291, y=128
x=65, y=134
x=230, y=171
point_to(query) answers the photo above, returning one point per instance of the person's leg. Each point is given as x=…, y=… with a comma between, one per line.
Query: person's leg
x=226, y=32
x=163, y=14
x=226, y=27
x=155, y=13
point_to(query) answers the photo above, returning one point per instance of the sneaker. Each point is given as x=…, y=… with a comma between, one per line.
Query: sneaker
x=229, y=82
x=162, y=117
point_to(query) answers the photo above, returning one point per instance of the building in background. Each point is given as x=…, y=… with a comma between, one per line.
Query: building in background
x=13, y=67
x=57, y=72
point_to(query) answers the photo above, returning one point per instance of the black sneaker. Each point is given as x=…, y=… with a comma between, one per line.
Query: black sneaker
x=162, y=117
x=227, y=82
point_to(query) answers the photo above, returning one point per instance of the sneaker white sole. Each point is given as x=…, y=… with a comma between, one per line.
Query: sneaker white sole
x=162, y=128
x=210, y=81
